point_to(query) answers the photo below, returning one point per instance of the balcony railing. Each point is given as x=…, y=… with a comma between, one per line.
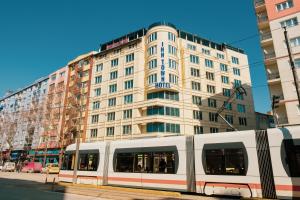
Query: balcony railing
x=272, y=76
x=262, y=18
x=265, y=36
x=270, y=55
x=259, y=3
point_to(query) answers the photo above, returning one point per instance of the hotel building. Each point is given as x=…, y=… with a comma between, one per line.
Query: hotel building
x=163, y=81
x=272, y=17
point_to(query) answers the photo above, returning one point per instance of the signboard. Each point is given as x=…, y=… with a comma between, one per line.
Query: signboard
x=115, y=44
x=162, y=83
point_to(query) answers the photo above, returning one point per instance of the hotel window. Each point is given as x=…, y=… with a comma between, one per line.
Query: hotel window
x=211, y=89
x=297, y=62
x=229, y=119
x=284, y=5
x=194, y=59
x=152, y=79
x=172, y=50
x=155, y=127
x=110, y=131
x=235, y=60
x=213, y=130
x=172, y=111
x=113, y=75
x=95, y=119
x=198, y=130
x=239, y=96
x=152, y=37
x=94, y=133
x=226, y=92
x=206, y=51
x=127, y=129
x=173, y=79
x=195, y=72
x=111, y=116
x=127, y=114
x=191, y=47
x=197, y=114
x=209, y=63
x=223, y=67
x=220, y=56
x=236, y=71
x=210, y=76
x=237, y=83
x=196, y=100
x=196, y=86
x=112, y=88
x=163, y=95
x=128, y=99
x=172, y=128
x=172, y=64
x=114, y=62
x=295, y=42
x=212, y=103
x=213, y=117
x=289, y=23
x=241, y=108
x=171, y=36
x=96, y=105
x=129, y=70
x=97, y=92
x=152, y=50
x=228, y=106
x=128, y=84
x=152, y=64
x=130, y=57
x=225, y=79
x=99, y=67
x=112, y=102
x=243, y=121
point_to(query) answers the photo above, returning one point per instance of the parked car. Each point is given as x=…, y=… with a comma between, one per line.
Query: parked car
x=32, y=167
x=9, y=167
x=51, y=168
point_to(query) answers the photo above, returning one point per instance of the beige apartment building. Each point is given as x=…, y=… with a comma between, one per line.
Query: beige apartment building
x=272, y=17
x=164, y=81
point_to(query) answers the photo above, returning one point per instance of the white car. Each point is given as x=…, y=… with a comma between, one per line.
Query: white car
x=9, y=167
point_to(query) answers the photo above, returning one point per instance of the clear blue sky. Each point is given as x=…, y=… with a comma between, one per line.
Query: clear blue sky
x=37, y=37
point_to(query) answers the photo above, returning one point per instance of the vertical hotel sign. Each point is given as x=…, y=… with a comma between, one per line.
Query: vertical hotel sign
x=162, y=83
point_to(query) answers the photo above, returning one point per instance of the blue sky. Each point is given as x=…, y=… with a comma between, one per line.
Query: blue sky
x=38, y=37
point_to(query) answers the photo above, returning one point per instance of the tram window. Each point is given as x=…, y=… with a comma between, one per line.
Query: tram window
x=92, y=162
x=88, y=161
x=293, y=156
x=225, y=162
x=124, y=162
x=68, y=162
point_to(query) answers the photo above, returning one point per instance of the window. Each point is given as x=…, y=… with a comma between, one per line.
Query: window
x=172, y=128
x=210, y=76
x=172, y=111
x=197, y=114
x=228, y=106
x=172, y=64
x=236, y=71
x=209, y=63
x=164, y=95
x=223, y=67
x=194, y=59
x=97, y=92
x=226, y=92
x=127, y=129
x=229, y=118
x=94, y=133
x=220, y=56
x=111, y=116
x=113, y=75
x=211, y=89
x=243, y=121
x=289, y=22
x=212, y=103
x=295, y=42
x=292, y=150
x=88, y=161
x=112, y=102
x=110, y=131
x=114, y=62
x=196, y=86
x=128, y=99
x=284, y=5
x=53, y=77
x=235, y=60
x=297, y=63
x=129, y=70
x=96, y=105
x=151, y=160
x=213, y=117
x=127, y=114
x=98, y=79
x=173, y=79
x=237, y=83
x=128, y=84
x=95, y=119
x=68, y=161
x=213, y=130
x=112, y=88
x=195, y=72
x=130, y=57
x=99, y=67
x=171, y=37
x=152, y=64
x=172, y=50
x=152, y=79
x=163, y=127
x=241, y=108
x=152, y=50
x=152, y=37
x=198, y=130
x=225, y=79
x=239, y=96
x=205, y=51
x=196, y=100
x=224, y=161
x=191, y=47
x=161, y=110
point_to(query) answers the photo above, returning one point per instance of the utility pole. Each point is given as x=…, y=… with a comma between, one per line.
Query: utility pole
x=292, y=64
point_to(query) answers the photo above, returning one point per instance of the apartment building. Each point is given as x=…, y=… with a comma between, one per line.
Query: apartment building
x=164, y=81
x=272, y=17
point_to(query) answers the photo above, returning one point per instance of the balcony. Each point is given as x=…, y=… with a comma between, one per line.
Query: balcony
x=259, y=5
x=266, y=39
x=270, y=56
x=273, y=77
x=263, y=20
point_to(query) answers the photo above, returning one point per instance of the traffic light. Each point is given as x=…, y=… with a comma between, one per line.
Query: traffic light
x=275, y=101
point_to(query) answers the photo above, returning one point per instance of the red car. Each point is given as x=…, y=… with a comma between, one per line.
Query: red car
x=32, y=167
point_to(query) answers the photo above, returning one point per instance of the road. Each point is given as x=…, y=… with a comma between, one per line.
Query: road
x=21, y=186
